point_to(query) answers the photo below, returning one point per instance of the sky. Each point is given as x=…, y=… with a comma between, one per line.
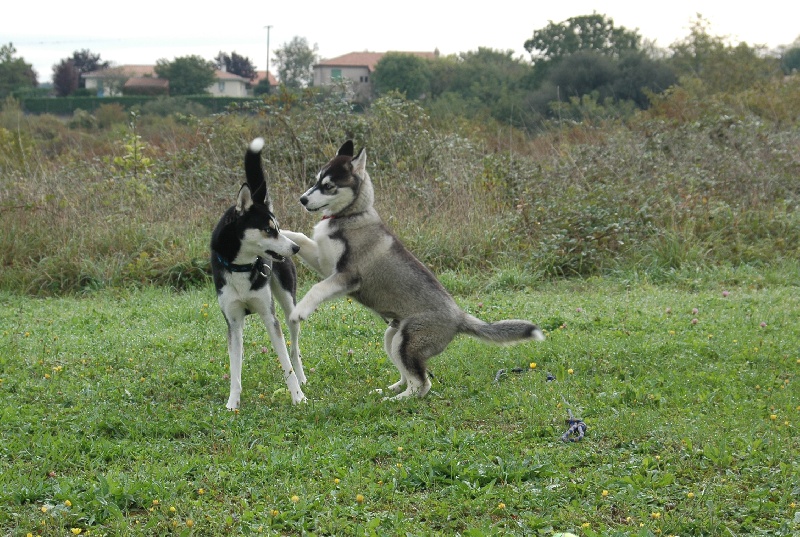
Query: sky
x=141, y=32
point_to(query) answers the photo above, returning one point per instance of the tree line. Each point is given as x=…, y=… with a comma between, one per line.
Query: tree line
x=582, y=61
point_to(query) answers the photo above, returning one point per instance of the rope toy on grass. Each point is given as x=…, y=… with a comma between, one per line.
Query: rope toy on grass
x=577, y=429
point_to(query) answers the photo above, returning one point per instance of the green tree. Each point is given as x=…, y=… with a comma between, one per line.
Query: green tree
x=640, y=75
x=718, y=66
x=85, y=61
x=236, y=64
x=406, y=73
x=15, y=74
x=66, y=78
x=790, y=60
x=187, y=75
x=295, y=63
x=587, y=32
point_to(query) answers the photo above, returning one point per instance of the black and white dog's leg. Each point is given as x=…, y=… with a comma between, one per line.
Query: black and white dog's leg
x=235, y=321
x=279, y=344
x=286, y=299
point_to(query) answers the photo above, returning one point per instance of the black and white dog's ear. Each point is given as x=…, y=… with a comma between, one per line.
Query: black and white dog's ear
x=346, y=150
x=244, y=200
x=360, y=162
x=255, y=172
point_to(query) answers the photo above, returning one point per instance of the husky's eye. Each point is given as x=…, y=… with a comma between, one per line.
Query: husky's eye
x=327, y=187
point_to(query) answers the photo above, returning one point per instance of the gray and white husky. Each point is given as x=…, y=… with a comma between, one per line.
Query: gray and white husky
x=357, y=255
x=250, y=263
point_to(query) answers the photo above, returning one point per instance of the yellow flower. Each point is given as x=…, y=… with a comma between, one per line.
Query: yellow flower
x=336, y=481
x=76, y=531
x=201, y=491
x=501, y=506
x=68, y=503
x=773, y=417
x=533, y=365
x=359, y=498
x=655, y=516
x=295, y=498
x=44, y=509
x=690, y=495
x=274, y=512
x=604, y=493
x=586, y=525
x=172, y=509
x=155, y=502
x=570, y=371
x=189, y=523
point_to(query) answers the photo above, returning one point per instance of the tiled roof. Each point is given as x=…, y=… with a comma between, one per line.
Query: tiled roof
x=260, y=75
x=146, y=82
x=224, y=75
x=367, y=59
x=128, y=71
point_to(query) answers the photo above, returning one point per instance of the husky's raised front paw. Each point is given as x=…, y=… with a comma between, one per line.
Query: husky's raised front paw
x=300, y=313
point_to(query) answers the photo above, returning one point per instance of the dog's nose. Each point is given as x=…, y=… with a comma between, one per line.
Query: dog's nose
x=295, y=248
x=304, y=200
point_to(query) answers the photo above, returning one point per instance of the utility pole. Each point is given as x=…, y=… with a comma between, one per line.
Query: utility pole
x=268, y=27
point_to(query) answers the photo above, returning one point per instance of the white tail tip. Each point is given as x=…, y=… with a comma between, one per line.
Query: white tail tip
x=257, y=145
x=538, y=335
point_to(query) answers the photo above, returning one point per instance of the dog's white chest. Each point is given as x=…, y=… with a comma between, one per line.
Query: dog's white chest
x=330, y=251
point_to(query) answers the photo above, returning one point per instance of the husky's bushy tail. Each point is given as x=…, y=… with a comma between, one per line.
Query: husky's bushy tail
x=501, y=332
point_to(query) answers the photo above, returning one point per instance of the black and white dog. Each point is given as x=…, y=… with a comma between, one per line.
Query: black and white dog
x=250, y=262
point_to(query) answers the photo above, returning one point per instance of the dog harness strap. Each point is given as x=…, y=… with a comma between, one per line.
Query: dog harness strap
x=259, y=266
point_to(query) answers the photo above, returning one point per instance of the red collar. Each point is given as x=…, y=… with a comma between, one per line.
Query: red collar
x=328, y=216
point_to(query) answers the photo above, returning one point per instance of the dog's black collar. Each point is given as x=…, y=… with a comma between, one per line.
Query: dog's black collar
x=259, y=266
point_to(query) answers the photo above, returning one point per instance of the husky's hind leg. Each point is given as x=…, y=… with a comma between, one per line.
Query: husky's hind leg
x=418, y=340
x=388, y=336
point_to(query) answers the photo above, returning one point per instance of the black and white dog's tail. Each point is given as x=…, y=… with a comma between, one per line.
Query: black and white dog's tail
x=255, y=173
x=501, y=332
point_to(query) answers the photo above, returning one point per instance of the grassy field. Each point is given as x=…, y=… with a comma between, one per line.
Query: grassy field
x=113, y=418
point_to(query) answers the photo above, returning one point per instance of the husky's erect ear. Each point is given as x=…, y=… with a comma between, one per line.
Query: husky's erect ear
x=255, y=173
x=244, y=200
x=359, y=163
x=346, y=150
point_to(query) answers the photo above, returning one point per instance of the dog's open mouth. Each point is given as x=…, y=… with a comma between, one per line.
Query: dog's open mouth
x=275, y=256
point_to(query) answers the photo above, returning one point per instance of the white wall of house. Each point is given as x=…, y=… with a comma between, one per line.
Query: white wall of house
x=228, y=88
x=326, y=74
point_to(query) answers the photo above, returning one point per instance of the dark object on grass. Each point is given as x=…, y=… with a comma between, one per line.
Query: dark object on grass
x=576, y=430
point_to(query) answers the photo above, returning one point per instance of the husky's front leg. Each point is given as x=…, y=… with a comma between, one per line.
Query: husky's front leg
x=235, y=352
x=309, y=249
x=335, y=286
x=279, y=344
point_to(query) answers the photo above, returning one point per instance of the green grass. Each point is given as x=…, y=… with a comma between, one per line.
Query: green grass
x=113, y=421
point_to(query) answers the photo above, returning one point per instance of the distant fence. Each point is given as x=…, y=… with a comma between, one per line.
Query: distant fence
x=66, y=106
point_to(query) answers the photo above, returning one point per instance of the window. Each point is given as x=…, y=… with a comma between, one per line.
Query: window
x=221, y=87
x=336, y=74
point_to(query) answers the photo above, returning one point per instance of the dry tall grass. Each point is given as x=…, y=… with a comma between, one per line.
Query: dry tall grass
x=83, y=208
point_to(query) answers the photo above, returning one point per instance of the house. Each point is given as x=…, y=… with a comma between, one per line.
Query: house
x=357, y=68
x=142, y=79
x=111, y=82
